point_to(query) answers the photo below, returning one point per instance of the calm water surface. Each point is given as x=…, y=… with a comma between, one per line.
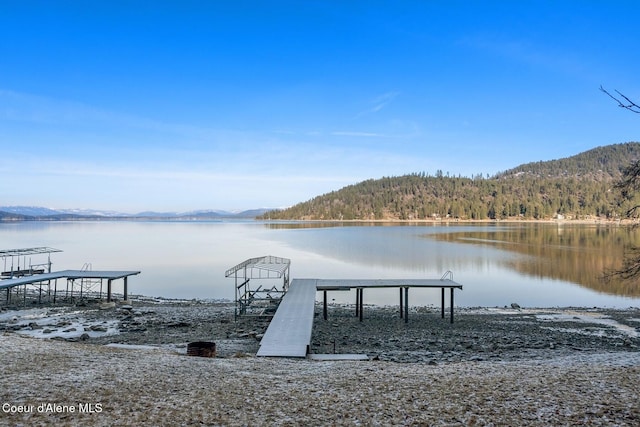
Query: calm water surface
x=531, y=264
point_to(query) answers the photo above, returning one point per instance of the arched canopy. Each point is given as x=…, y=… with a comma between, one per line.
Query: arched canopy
x=265, y=267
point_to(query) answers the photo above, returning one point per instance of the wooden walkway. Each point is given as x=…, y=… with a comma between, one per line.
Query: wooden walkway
x=289, y=333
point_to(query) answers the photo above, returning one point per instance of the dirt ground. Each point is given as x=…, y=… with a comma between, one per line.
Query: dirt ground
x=493, y=366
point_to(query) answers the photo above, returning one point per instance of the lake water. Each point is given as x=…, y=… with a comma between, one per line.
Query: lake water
x=534, y=265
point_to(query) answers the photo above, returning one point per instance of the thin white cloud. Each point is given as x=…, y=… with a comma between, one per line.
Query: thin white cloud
x=378, y=103
x=384, y=99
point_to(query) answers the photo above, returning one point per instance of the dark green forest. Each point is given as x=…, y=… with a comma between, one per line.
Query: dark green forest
x=577, y=187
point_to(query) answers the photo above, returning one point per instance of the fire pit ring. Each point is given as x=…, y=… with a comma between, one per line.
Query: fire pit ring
x=201, y=349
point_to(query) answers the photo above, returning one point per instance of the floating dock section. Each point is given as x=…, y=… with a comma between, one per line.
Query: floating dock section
x=289, y=333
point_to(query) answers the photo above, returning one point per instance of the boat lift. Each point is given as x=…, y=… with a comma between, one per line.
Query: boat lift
x=264, y=299
x=18, y=267
x=19, y=272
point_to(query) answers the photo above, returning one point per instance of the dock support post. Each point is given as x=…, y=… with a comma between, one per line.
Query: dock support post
x=406, y=305
x=324, y=306
x=451, y=305
x=401, y=305
x=126, y=294
x=109, y=290
x=442, y=303
x=361, y=302
x=357, y=302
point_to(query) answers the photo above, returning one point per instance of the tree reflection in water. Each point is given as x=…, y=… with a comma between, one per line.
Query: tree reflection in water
x=576, y=253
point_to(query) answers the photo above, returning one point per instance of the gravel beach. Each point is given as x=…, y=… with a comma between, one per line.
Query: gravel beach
x=127, y=365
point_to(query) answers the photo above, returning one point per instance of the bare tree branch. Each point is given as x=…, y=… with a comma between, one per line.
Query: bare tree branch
x=630, y=181
x=630, y=105
x=629, y=186
x=630, y=269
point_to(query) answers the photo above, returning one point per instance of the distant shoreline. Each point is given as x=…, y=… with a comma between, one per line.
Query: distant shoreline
x=596, y=221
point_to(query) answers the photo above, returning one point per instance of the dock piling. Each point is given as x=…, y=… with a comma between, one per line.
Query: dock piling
x=324, y=306
x=451, y=305
x=406, y=304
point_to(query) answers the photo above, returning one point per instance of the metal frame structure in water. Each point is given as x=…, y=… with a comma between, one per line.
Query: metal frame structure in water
x=263, y=300
x=45, y=279
x=289, y=333
x=18, y=274
x=445, y=282
x=14, y=270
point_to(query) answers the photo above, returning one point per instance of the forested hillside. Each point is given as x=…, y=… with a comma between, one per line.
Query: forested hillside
x=577, y=187
x=601, y=163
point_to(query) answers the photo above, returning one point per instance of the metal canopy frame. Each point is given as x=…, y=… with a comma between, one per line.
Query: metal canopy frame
x=263, y=300
x=12, y=270
x=19, y=272
x=45, y=279
x=27, y=251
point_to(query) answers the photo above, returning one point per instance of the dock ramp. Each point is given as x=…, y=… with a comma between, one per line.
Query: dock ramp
x=289, y=332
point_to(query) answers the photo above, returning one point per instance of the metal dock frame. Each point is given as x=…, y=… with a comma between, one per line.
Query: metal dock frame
x=289, y=333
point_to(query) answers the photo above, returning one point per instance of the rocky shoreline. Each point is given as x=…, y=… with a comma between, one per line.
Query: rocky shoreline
x=477, y=334
x=127, y=365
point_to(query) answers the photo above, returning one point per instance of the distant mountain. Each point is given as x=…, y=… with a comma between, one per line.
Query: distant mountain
x=253, y=213
x=580, y=186
x=207, y=214
x=37, y=211
x=151, y=214
x=9, y=216
x=29, y=210
x=90, y=212
x=213, y=214
x=41, y=213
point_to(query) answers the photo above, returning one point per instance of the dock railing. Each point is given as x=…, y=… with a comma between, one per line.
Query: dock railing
x=448, y=275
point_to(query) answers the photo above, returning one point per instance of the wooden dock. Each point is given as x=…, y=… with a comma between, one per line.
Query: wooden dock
x=289, y=333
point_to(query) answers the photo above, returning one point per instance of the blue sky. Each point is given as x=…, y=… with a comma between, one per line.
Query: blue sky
x=183, y=105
